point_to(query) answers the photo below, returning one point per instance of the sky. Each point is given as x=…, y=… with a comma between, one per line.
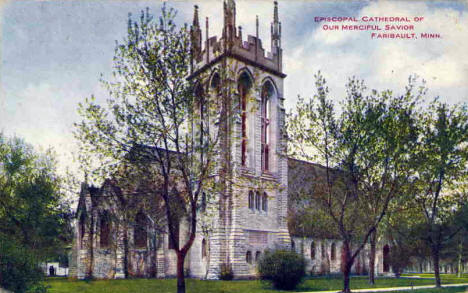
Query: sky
x=54, y=52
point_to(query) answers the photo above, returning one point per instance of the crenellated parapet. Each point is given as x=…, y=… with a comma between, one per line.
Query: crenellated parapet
x=232, y=44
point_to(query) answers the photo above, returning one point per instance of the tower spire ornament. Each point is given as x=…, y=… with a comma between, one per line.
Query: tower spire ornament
x=229, y=19
x=275, y=29
x=275, y=12
x=196, y=23
x=196, y=34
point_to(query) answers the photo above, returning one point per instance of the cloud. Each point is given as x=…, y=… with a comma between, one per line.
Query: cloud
x=43, y=114
x=388, y=63
x=246, y=12
x=43, y=88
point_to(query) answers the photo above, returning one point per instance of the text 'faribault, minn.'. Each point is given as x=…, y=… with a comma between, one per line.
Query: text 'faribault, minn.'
x=380, y=27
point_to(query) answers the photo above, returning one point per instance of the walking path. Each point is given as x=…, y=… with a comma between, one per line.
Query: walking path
x=392, y=288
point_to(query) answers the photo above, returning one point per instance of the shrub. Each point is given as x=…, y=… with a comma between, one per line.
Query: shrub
x=226, y=272
x=283, y=268
x=19, y=269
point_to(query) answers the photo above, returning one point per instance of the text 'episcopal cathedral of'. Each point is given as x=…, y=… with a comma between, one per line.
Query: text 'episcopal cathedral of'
x=254, y=218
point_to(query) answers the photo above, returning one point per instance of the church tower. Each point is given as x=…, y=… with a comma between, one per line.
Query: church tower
x=251, y=208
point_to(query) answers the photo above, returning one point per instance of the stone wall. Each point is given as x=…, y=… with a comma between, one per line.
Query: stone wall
x=321, y=262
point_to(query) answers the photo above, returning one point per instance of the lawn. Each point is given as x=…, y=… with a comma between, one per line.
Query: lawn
x=60, y=285
x=444, y=290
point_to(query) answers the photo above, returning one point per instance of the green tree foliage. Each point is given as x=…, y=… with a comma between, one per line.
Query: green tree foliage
x=34, y=217
x=19, y=269
x=283, y=268
x=226, y=272
x=441, y=169
x=404, y=232
x=159, y=123
x=455, y=251
x=364, y=147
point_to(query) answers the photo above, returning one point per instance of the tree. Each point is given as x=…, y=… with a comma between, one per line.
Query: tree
x=161, y=124
x=455, y=251
x=441, y=162
x=404, y=232
x=34, y=216
x=365, y=153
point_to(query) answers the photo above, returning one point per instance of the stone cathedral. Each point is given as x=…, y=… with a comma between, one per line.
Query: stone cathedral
x=254, y=218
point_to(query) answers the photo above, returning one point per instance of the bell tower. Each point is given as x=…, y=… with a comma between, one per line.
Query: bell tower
x=251, y=208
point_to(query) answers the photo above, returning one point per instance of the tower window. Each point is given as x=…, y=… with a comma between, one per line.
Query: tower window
x=243, y=87
x=251, y=200
x=243, y=102
x=215, y=83
x=265, y=121
x=264, y=202
x=244, y=125
x=257, y=200
x=203, y=112
x=139, y=234
x=216, y=92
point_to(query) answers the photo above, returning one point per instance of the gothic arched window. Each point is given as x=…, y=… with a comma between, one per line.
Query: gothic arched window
x=204, y=249
x=264, y=202
x=265, y=122
x=251, y=200
x=243, y=87
x=257, y=256
x=203, y=202
x=174, y=242
x=139, y=233
x=257, y=200
x=333, y=251
x=215, y=83
x=312, y=250
x=386, y=261
x=248, y=257
x=104, y=224
x=82, y=228
x=203, y=115
x=322, y=249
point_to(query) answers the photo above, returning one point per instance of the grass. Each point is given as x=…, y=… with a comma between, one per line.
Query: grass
x=443, y=290
x=443, y=276
x=62, y=285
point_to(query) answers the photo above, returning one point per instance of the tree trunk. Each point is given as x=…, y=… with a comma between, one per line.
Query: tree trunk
x=180, y=272
x=373, y=245
x=125, y=260
x=460, y=252
x=347, y=269
x=346, y=278
x=435, y=259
